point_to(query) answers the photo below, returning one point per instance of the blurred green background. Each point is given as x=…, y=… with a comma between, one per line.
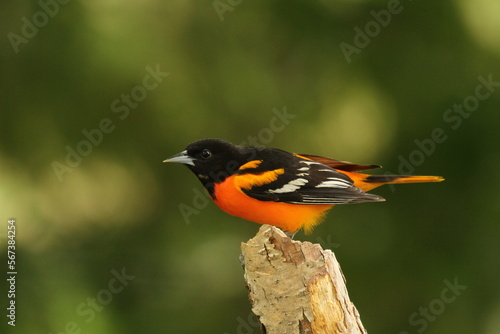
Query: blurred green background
x=362, y=81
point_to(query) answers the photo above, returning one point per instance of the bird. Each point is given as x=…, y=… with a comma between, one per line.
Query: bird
x=275, y=187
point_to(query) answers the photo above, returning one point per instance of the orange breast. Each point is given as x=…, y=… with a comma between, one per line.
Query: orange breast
x=288, y=217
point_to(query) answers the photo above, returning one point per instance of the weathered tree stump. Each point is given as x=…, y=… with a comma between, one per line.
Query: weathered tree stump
x=297, y=287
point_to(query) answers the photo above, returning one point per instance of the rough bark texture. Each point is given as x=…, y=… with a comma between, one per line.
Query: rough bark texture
x=297, y=287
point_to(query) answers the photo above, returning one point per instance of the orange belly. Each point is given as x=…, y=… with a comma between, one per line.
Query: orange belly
x=288, y=217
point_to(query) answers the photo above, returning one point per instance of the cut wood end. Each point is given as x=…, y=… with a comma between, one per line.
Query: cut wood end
x=296, y=287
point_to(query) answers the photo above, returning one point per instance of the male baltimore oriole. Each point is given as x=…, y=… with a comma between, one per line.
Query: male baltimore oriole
x=275, y=187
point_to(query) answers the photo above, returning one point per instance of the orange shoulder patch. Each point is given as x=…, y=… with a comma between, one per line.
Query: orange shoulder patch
x=247, y=181
x=251, y=164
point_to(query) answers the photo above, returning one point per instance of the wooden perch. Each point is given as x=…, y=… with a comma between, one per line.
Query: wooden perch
x=297, y=287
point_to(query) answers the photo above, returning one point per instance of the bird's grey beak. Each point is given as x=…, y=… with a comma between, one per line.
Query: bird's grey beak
x=182, y=158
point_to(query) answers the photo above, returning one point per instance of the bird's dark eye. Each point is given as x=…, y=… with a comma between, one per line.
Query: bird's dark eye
x=205, y=154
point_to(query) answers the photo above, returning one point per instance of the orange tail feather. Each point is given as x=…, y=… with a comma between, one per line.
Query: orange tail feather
x=369, y=182
x=394, y=179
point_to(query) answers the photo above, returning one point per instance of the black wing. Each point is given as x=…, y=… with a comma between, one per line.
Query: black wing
x=307, y=182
